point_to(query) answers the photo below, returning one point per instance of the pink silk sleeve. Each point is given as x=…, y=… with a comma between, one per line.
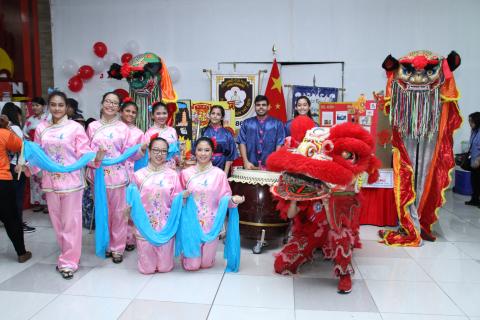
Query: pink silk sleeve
x=82, y=143
x=177, y=186
x=225, y=189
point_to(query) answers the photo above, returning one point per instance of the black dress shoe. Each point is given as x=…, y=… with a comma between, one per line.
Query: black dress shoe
x=472, y=203
x=27, y=228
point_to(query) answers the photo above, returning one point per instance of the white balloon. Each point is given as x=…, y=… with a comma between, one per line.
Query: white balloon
x=111, y=58
x=174, y=74
x=98, y=65
x=69, y=67
x=133, y=47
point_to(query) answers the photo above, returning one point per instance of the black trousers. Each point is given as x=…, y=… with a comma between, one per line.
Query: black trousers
x=475, y=181
x=9, y=216
x=19, y=186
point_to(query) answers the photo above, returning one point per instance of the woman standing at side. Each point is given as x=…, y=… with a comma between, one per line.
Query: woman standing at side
x=10, y=142
x=474, y=121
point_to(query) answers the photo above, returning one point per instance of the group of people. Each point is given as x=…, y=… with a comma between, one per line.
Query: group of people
x=65, y=140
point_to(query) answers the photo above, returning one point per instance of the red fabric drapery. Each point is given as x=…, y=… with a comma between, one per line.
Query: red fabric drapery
x=378, y=207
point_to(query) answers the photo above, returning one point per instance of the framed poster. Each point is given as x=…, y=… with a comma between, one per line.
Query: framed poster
x=385, y=180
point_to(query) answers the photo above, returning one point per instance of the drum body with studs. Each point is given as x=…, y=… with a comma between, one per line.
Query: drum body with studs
x=258, y=211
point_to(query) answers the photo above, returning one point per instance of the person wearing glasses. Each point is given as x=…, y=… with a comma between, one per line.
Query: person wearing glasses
x=158, y=185
x=260, y=136
x=113, y=135
x=160, y=127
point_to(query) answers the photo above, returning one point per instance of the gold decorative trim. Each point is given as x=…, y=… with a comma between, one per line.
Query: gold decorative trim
x=255, y=224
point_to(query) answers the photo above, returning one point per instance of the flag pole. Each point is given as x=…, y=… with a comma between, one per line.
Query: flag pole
x=274, y=51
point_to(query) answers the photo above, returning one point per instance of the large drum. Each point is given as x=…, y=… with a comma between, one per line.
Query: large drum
x=258, y=211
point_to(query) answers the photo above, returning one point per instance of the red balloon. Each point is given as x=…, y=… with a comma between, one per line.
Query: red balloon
x=100, y=49
x=122, y=93
x=75, y=84
x=126, y=57
x=86, y=72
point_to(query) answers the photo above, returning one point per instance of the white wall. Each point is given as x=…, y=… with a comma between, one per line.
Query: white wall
x=193, y=35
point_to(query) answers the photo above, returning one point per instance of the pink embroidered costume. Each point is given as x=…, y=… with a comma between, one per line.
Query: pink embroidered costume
x=114, y=137
x=157, y=190
x=167, y=133
x=37, y=197
x=136, y=137
x=207, y=188
x=64, y=142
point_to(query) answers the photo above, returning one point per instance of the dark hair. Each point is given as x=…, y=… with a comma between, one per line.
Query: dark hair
x=157, y=105
x=38, y=100
x=204, y=139
x=309, y=113
x=114, y=93
x=128, y=103
x=157, y=139
x=57, y=94
x=475, y=119
x=74, y=105
x=89, y=120
x=261, y=98
x=222, y=111
x=11, y=110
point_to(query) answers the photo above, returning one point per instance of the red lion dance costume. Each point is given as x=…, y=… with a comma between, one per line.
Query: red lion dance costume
x=421, y=99
x=322, y=170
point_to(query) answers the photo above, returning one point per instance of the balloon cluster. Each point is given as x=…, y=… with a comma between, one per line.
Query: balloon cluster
x=78, y=75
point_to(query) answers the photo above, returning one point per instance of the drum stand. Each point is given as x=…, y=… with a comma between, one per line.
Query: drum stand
x=257, y=249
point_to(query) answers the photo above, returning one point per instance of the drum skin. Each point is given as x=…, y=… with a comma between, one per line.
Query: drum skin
x=258, y=211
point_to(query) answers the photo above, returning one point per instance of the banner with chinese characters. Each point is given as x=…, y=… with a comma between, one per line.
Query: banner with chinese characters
x=183, y=126
x=316, y=95
x=240, y=89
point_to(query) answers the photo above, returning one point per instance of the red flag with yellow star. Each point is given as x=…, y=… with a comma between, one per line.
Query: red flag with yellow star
x=274, y=93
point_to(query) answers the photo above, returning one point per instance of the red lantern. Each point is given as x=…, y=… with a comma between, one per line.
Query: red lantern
x=126, y=57
x=100, y=49
x=75, y=84
x=122, y=93
x=86, y=72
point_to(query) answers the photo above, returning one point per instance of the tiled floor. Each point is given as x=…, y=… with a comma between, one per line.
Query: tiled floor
x=439, y=281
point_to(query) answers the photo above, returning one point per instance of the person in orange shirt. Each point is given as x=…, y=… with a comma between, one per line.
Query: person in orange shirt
x=9, y=142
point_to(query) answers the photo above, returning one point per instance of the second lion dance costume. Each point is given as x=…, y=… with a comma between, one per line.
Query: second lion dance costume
x=421, y=99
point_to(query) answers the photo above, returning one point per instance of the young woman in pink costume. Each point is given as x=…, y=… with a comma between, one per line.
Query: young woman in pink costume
x=64, y=141
x=158, y=185
x=208, y=184
x=160, y=127
x=128, y=114
x=112, y=135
